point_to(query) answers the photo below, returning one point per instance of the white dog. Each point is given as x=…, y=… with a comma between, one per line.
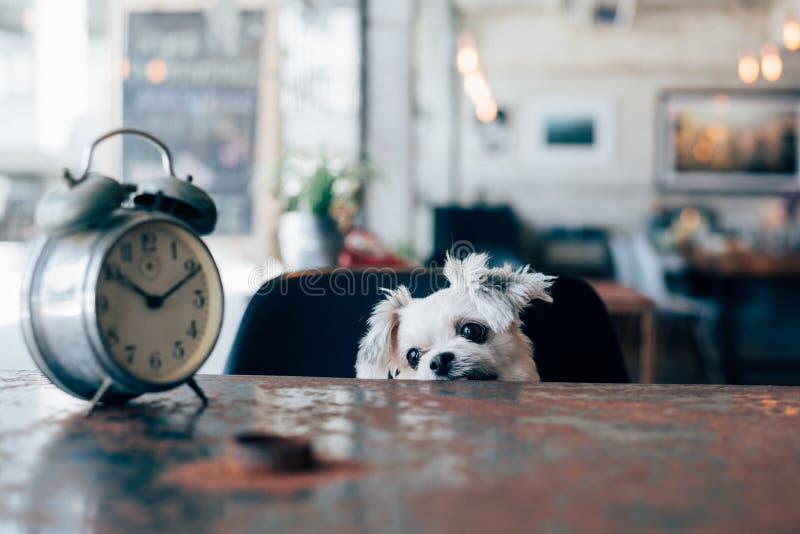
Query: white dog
x=470, y=330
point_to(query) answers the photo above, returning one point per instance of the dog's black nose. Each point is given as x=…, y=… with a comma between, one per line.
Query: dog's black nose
x=440, y=364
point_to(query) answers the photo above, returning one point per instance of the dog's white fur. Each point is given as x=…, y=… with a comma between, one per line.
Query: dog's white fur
x=491, y=297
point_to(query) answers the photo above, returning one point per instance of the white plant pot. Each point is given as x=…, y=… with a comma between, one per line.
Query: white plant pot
x=307, y=240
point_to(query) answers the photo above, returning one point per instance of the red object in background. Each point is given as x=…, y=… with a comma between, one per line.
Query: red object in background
x=363, y=248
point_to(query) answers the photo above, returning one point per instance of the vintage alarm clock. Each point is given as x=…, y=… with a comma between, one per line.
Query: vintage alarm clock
x=122, y=297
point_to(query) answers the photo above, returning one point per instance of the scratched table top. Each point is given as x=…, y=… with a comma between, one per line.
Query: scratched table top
x=402, y=456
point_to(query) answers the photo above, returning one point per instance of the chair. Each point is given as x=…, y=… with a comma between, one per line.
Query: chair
x=309, y=324
x=638, y=265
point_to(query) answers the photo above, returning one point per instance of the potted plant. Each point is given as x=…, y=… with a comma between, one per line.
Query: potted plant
x=320, y=199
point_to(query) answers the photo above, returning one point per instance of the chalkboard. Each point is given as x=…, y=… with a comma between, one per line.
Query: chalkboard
x=192, y=79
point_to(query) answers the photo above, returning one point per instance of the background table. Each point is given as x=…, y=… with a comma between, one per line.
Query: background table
x=466, y=456
x=755, y=297
x=624, y=301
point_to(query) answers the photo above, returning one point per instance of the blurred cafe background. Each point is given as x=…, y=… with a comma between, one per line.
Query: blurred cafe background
x=650, y=146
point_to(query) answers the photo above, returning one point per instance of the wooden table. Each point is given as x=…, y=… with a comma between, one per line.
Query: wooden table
x=746, y=263
x=402, y=456
x=624, y=301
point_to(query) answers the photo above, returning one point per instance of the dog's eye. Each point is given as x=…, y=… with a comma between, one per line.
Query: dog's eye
x=413, y=357
x=474, y=332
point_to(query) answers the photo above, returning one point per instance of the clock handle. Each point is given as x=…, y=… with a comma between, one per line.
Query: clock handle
x=166, y=155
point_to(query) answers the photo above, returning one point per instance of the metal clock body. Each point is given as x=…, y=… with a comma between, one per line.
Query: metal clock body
x=76, y=280
x=121, y=296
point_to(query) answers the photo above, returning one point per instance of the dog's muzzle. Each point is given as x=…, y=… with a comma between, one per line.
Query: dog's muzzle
x=442, y=366
x=441, y=363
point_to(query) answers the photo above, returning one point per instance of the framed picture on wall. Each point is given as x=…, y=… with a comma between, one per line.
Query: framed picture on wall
x=568, y=130
x=197, y=86
x=729, y=141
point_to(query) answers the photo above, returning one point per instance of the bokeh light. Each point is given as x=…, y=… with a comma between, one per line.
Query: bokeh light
x=771, y=63
x=155, y=71
x=486, y=111
x=791, y=34
x=467, y=60
x=748, y=68
x=476, y=87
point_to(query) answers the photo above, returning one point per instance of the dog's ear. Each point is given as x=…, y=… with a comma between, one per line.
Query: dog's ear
x=375, y=348
x=499, y=294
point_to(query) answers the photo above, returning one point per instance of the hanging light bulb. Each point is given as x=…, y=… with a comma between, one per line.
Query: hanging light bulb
x=476, y=87
x=486, y=111
x=748, y=68
x=771, y=63
x=467, y=60
x=791, y=34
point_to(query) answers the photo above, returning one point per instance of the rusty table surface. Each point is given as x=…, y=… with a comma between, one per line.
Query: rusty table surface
x=403, y=456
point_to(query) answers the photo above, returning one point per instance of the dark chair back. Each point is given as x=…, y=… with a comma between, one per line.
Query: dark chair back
x=309, y=324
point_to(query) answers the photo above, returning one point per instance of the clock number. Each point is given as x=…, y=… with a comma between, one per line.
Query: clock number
x=179, y=351
x=199, y=298
x=192, y=332
x=102, y=304
x=174, y=248
x=112, y=336
x=126, y=252
x=189, y=265
x=155, y=360
x=130, y=353
x=149, y=240
x=112, y=271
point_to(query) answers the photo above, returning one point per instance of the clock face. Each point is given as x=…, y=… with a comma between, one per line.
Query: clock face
x=158, y=302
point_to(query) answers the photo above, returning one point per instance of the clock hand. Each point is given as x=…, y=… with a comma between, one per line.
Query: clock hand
x=152, y=300
x=180, y=283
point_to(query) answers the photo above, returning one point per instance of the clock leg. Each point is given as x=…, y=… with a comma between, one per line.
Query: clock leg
x=192, y=383
x=98, y=396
